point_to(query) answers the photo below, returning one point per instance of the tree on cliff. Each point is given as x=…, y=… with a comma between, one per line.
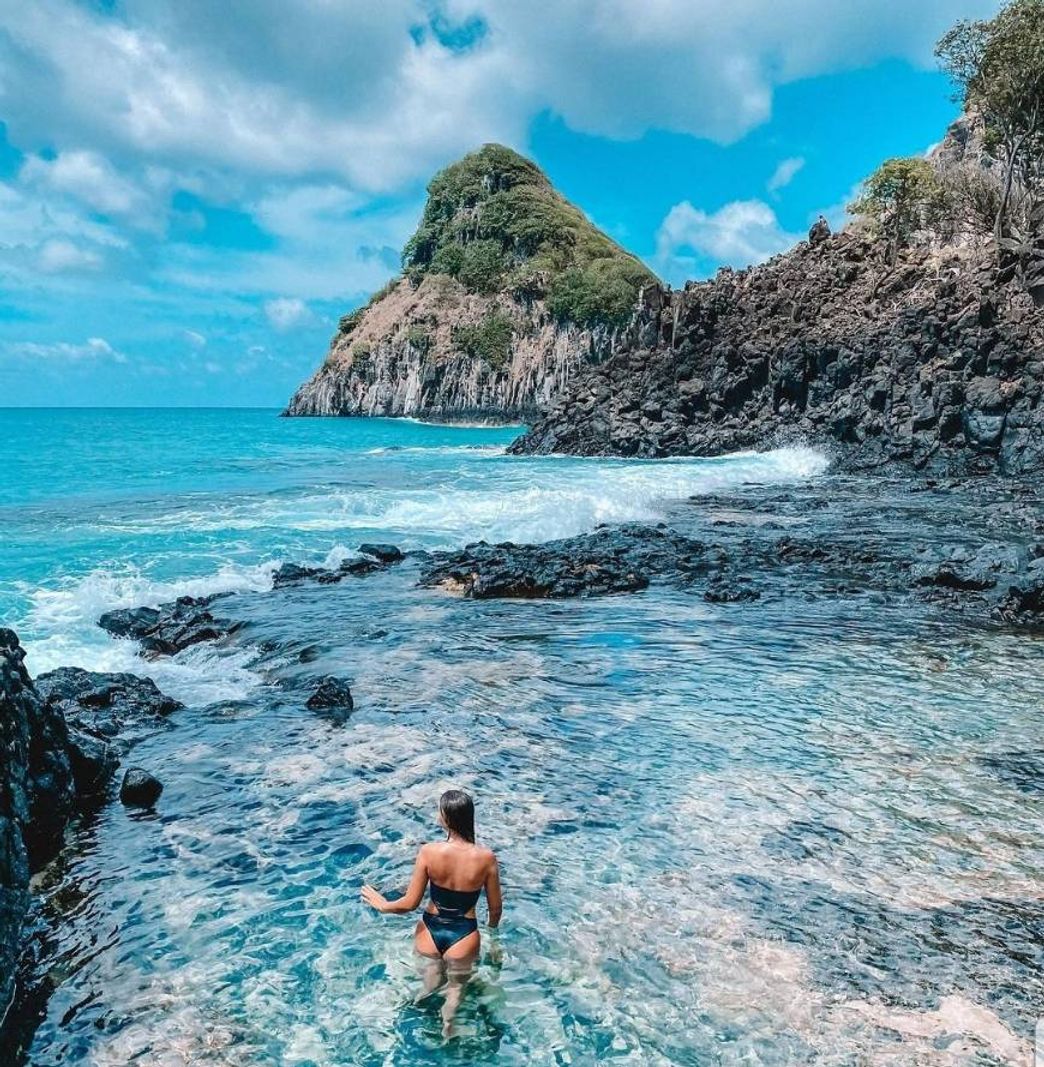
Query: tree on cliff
x=900, y=198
x=998, y=66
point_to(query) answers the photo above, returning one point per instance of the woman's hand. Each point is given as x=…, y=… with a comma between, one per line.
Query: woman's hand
x=374, y=898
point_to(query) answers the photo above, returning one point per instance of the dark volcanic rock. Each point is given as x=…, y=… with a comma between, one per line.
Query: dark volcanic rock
x=376, y=557
x=139, y=788
x=48, y=766
x=931, y=363
x=38, y=764
x=107, y=705
x=16, y=714
x=332, y=697
x=384, y=553
x=611, y=560
x=965, y=569
x=171, y=627
x=730, y=592
x=93, y=762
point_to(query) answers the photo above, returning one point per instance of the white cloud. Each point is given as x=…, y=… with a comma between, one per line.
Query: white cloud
x=785, y=173
x=739, y=234
x=194, y=338
x=294, y=87
x=65, y=352
x=90, y=178
x=286, y=312
x=58, y=256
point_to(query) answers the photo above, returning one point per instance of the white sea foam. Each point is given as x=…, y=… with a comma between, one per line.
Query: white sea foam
x=61, y=631
x=528, y=501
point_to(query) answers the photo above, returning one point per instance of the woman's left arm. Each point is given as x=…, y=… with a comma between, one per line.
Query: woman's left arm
x=409, y=900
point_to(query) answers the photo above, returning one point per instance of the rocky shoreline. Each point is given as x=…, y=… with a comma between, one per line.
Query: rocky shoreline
x=65, y=734
x=62, y=740
x=929, y=363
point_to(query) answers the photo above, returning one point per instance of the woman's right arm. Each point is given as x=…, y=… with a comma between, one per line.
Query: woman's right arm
x=410, y=899
x=494, y=896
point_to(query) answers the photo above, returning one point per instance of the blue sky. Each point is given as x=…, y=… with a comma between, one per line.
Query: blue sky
x=191, y=194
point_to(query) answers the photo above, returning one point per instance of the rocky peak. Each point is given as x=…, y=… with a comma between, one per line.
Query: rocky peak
x=507, y=289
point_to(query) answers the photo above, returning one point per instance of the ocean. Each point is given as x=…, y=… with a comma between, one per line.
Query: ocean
x=743, y=833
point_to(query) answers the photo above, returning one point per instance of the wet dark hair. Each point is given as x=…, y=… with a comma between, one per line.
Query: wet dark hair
x=458, y=812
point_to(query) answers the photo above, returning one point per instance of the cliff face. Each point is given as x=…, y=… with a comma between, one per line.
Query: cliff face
x=927, y=362
x=406, y=357
x=507, y=291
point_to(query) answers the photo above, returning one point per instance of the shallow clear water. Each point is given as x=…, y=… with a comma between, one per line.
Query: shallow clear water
x=755, y=833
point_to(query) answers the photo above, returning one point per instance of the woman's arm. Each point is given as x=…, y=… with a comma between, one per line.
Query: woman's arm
x=409, y=900
x=494, y=895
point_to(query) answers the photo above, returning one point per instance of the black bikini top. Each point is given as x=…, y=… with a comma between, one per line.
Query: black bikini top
x=454, y=901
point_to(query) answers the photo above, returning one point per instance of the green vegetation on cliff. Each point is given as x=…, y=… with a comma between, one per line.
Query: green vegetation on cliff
x=494, y=222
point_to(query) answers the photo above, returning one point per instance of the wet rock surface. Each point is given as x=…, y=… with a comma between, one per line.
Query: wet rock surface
x=810, y=541
x=60, y=745
x=332, y=699
x=374, y=557
x=139, y=788
x=110, y=706
x=930, y=363
x=172, y=627
x=611, y=560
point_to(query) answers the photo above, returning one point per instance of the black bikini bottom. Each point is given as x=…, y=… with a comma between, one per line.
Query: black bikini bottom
x=447, y=930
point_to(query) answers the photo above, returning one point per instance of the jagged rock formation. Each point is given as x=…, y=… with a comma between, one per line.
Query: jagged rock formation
x=927, y=362
x=507, y=291
x=59, y=747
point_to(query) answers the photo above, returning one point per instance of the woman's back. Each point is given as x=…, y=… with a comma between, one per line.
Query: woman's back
x=457, y=865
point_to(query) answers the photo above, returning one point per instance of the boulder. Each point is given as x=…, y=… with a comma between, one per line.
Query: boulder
x=93, y=762
x=139, y=788
x=382, y=553
x=124, y=706
x=172, y=627
x=332, y=698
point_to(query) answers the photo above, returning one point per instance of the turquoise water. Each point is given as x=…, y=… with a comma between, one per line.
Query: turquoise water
x=742, y=834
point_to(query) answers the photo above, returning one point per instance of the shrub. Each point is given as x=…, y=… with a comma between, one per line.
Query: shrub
x=489, y=339
x=493, y=221
x=602, y=293
x=418, y=337
x=482, y=268
x=348, y=322
x=361, y=351
x=901, y=197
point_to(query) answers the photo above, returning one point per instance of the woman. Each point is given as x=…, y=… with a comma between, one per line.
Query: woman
x=457, y=870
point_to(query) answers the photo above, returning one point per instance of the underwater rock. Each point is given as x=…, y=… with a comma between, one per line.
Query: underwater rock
x=332, y=697
x=731, y=592
x=1024, y=770
x=139, y=788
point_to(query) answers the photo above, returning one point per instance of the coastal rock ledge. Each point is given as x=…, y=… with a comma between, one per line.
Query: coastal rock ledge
x=61, y=740
x=930, y=362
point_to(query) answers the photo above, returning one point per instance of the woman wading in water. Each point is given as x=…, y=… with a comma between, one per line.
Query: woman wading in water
x=456, y=870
